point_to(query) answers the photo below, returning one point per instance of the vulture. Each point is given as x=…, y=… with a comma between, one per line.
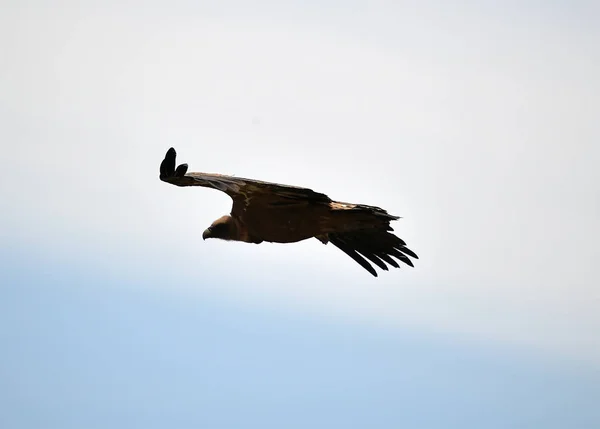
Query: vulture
x=276, y=213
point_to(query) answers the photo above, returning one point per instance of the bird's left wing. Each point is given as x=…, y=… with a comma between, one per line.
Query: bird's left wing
x=238, y=188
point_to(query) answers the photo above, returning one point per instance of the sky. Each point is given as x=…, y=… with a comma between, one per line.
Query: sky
x=476, y=122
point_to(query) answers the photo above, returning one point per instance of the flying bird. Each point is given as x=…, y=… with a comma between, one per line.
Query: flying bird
x=272, y=212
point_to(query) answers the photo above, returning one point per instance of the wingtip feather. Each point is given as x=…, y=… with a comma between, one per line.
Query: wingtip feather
x=376, y=246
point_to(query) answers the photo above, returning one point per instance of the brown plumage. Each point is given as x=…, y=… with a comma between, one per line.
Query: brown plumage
x=264, y=211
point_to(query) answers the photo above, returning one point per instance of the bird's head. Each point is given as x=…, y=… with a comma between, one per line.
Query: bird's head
x=223, y=228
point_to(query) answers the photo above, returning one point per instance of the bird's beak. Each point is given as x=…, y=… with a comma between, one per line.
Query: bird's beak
x=206, y=234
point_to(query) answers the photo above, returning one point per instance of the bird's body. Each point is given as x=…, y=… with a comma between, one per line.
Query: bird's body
x=285, y=224
x=272, y=212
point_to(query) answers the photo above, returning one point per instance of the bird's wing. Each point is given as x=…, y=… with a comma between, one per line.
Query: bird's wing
x=375, y=245
x=240, y=189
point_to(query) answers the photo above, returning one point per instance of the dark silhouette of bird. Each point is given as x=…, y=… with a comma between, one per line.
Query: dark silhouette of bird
x=272, y=212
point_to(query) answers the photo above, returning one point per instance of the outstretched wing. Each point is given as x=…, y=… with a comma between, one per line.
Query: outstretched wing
x=240, y=189
x=366, y=236
x=377, y=246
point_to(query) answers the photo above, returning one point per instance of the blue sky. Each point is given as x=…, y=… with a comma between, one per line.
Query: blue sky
x=84, y=348
x=476, y=123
